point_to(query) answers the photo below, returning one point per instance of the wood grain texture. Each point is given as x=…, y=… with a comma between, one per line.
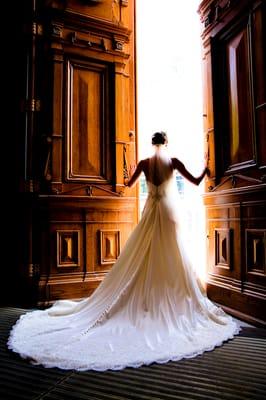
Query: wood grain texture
x=75, y=109
x=234, y=122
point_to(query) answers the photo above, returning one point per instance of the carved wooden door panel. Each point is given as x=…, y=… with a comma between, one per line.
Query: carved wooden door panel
x=80, y=62
x=234, y=119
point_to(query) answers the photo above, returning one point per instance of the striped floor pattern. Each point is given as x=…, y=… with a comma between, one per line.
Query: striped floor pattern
x=236, y=370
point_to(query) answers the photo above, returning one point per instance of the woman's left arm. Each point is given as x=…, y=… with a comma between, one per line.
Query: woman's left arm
x=177, y=164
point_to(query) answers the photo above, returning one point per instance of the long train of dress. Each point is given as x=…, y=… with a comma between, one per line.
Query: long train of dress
x=149, y=308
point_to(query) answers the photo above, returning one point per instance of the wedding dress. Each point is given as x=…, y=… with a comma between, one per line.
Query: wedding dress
x=149, y=308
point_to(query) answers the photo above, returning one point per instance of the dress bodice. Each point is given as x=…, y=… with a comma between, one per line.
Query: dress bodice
x=157, y=192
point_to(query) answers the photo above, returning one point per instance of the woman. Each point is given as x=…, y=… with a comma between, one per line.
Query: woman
x=160, y=139
x=149, y=308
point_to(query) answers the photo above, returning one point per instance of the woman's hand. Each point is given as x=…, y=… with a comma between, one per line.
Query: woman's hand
x=207, y=171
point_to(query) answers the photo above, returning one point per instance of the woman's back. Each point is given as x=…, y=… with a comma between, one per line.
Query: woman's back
x=158, y=168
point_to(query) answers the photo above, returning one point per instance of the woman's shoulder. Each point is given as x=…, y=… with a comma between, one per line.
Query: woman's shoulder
x=176, y=162
x=144, y=161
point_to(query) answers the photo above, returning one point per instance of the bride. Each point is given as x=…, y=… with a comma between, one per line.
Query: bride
x=149, y=308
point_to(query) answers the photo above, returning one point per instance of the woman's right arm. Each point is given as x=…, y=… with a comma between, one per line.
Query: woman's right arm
x=177, y=164
x=135, y=176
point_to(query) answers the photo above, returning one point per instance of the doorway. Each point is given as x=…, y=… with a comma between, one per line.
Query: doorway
x=169, y=89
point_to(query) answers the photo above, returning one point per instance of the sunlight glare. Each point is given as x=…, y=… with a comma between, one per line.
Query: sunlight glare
x=169, y=87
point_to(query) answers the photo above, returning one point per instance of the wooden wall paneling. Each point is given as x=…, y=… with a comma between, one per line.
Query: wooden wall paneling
x=223, y=248
x=255, y=251
x=68, y=248
x=261, y=128
x=66, y=277
x=258, y=43
x=89, y=126
x=110, y=44
x=233, y=107
x=208, y=124
x=122, y=121
x=80, y=140
x=114, y=224
x=66, y=241
x=241, y=133
x=242, y=289
x=104, y=9
x=254, y=228
x=75, y=262
x=236, y=191
x=54, y=174
x=258, y=32
x=109, y=243
x=224, y=243
x=238, y=49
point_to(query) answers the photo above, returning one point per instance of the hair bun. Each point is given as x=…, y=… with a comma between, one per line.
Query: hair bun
x=159, y=138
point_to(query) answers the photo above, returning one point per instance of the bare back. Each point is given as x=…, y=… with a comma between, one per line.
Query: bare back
x=157, y=170
x=160, y=167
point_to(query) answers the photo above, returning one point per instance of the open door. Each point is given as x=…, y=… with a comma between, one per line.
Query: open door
x=234, y=61
x=78, y=130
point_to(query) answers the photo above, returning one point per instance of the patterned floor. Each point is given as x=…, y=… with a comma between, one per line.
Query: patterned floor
x=236, y=370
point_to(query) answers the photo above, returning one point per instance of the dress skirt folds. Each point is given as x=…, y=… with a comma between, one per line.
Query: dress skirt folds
x=149, y=308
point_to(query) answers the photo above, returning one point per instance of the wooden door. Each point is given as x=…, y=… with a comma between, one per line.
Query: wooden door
x=234, y=60
x=76, y=139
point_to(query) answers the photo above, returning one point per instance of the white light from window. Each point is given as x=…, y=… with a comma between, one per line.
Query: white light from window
x=169, y=87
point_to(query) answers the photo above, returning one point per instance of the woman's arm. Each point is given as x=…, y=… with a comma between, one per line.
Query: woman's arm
x=183, y=171
x=129, y=182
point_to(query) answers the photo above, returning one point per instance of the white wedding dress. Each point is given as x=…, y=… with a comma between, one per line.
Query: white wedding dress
x=149, y=308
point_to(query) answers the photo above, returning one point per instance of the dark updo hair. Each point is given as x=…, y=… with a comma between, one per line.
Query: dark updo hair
x=159, y=138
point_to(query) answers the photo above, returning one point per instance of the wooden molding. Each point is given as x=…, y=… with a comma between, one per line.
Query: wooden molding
x=124, y=3
x=235, y=192
x=68, y=248
x=255, y=244
x=76, y=40
x=224, y=281
x=88, y=123
x=234, y=180
x=86, y=23
x=223, y=248
x=243, y=317
x=109, y=246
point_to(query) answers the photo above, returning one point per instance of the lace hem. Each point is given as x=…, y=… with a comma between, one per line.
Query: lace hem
x=58, y=361
x=68, y=365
